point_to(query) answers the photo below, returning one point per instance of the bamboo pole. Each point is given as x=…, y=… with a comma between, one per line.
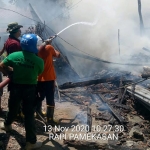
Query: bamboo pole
x=141, y=19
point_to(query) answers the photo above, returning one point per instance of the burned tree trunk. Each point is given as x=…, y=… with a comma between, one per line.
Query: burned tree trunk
x=141, y=19
x=89, y=119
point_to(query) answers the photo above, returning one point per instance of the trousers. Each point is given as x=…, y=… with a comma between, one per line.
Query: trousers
x=25, y=95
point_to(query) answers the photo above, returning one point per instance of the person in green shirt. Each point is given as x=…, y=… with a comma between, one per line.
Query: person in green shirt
x=26, y=66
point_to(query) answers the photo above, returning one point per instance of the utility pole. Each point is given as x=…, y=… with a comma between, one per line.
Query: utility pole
x=141, y=19
x=119, y=40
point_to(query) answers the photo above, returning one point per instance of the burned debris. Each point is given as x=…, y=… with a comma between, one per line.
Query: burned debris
x=109, y=106
x=108, y=113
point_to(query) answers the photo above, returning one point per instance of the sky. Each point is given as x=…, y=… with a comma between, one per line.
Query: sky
x=99, y=40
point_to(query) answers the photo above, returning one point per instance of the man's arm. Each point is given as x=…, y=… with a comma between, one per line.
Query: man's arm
x=46, y=42
x=6, y=65
x=4, y=69
x=2, y=50
x=57, y=53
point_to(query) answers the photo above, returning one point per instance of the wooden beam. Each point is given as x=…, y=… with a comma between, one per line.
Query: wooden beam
x=90, y=82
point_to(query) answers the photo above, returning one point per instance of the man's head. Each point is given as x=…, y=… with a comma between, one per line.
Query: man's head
x=29, y=43
x=14, y=29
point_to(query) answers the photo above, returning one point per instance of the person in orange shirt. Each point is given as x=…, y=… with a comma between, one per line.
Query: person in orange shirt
x=46, y=80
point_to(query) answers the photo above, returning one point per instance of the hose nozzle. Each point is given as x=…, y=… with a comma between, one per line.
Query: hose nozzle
x=53, y=37
x=49, y=40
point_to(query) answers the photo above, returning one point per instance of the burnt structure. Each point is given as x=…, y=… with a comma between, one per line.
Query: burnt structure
x=112, y=92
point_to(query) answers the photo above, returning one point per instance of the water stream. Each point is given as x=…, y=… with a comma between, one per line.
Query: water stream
x=85, y=23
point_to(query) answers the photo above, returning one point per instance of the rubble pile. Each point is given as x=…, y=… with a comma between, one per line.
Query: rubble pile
x=110, y=106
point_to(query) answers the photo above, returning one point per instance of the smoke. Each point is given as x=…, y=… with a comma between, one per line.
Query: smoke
x=2, y=3
x=100, y=40
x=10, y=13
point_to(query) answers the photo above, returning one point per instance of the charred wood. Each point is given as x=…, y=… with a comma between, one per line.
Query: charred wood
x=122, y=98
x=86, y=83
x=77, y=90
x=112, y=121
x=115, y=114
x=80, y=145
x=121, y=106
x=103, y=91
x=79, y=102
x=120, y=90
x=105, y=116
x=106, y=85
x=93, y=96
x=89, y=119
x=145, y=75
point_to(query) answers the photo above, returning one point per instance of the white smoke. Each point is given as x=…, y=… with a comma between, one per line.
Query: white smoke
x=100, y=40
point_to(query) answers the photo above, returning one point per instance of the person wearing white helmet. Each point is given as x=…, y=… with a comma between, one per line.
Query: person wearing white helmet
x=40, y=41
x=26, y=68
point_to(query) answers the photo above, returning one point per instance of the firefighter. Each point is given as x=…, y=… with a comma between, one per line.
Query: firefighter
x=26, y=68
x=46, y=80
x=11, y=45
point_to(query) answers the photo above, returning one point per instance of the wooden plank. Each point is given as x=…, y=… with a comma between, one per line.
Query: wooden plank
x=89, y=82
x=112, y=110
x=89, y=119
x=140, y=92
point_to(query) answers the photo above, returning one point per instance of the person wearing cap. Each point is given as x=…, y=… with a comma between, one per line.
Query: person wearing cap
x=26, y=68
x=11, y=45
x=46, y=80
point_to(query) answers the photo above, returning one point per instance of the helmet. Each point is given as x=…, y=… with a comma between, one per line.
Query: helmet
x=29, y=43
x=40, y=41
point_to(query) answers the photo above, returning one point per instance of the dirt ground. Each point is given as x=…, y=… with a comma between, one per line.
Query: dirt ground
x=15, y=140
x=71, y=117
x=67, y=114
x=72, y=126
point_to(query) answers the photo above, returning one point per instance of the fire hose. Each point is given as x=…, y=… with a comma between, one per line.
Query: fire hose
x=4, y=82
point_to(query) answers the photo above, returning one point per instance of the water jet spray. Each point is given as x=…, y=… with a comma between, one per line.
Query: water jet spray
x=85, y=23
